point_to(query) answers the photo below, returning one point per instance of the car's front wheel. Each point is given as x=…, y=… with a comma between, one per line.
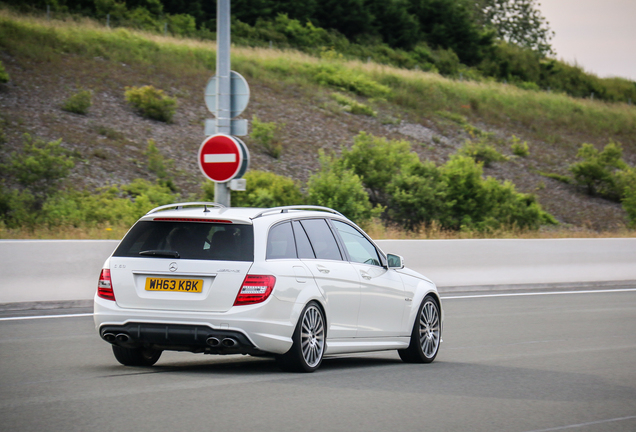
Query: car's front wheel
x=426, y=334
x=309, y=338
x=136, y=356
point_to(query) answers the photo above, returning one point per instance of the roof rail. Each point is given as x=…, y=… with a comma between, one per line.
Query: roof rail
x=179, y=206
x=285, y=209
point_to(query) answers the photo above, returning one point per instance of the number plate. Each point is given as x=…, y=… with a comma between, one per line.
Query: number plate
x=176, y=285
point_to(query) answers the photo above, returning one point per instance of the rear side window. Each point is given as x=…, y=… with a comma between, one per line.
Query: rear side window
x=189, y=240
x=280, y=242
x=322, y=239
x=302, y=241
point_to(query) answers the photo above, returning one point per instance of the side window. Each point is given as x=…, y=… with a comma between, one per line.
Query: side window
x=302, y=241
x=280, y=242
x=322, y=239
x=359, y=248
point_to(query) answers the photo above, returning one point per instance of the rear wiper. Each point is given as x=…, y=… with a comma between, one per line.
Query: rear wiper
x=160, y=253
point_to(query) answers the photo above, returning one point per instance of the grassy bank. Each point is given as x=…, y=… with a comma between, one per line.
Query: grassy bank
x=543, y=114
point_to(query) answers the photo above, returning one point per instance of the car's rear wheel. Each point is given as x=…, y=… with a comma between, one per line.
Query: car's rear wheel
x=426, y=334
x=136, y=356
x=308, y=339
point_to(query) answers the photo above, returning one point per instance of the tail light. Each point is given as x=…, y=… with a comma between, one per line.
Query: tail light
x=105, y=286
x=255, y=289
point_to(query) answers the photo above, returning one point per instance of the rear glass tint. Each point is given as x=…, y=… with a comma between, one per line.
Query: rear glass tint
x=189, y=240
x=322, y=240
x=280, y=242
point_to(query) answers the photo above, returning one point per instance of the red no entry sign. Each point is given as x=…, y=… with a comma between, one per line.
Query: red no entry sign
x=221, y=158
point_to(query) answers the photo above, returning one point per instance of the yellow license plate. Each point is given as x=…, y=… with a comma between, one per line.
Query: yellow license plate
x=176, y=285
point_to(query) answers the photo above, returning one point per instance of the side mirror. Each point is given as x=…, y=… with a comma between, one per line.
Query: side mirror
x=395, y=261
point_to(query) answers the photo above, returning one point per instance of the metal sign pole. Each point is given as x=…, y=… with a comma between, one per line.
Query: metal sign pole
x=223, y=83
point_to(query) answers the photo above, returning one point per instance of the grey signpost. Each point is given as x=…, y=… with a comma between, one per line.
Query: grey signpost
x=226, y=95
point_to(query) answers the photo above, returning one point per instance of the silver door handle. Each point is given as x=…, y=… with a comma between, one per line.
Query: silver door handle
x=365, y=275
x=322, y=269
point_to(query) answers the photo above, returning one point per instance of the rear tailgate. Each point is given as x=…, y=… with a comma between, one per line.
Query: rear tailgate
x=182, y=264
x=180, y=285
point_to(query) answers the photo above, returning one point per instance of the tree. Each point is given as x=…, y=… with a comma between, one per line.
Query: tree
x=519, y=22
x=451, y=24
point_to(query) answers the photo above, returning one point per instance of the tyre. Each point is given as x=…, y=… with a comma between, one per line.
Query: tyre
x=426, y=334
x=136, y=356
x=309, y=338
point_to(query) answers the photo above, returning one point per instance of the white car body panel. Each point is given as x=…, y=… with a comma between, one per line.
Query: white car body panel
x=366, y=307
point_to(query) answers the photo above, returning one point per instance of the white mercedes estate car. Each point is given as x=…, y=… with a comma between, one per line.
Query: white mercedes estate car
x=297, y=283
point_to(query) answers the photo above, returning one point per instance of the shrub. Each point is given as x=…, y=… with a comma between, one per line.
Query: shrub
x=376, y=161
x=40, y=167
x=482, y=152
x=345, y=78
x=151, y=102
x=353, y=106
x=485, y=204
x=266, y=136
x=339, y=188
x=79, y=103
x=519, y=148
x=417, y=196
x=264, y=189
x=160, y=166
x=627, y=180
x=181, y=24
x=558, y=177
x=4, y=76
x=597, y=171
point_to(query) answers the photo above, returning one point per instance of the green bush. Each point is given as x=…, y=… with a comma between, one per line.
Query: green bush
x=376, y=161
x=483, y=204
x=79, y=103
x=264, y=189
x=519, y=148
x=627, y=180
x=339, y=188
x=353, y=106
x=597, y=171
x=160, y=166
x=4, y=76
x=339, y=76
x=267, y=136
x=558, y=177
x=417, y=196
x=151, y=102
x=40, y=167
x=482, y=152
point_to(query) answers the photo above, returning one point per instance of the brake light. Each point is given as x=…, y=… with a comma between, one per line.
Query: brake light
x=255, y=289
x=105, y=286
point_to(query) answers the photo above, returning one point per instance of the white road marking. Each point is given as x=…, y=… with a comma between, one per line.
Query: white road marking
x=536, y=293
x=45, y=316
x=585, y=424
x=443, y=298
x=219, y=158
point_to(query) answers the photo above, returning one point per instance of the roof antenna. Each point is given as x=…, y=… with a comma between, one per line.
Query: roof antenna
x=205, y=208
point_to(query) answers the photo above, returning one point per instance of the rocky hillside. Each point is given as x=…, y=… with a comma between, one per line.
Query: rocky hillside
x=111, y=138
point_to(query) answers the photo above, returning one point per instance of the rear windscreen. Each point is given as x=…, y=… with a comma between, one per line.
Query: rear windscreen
x=189, y=240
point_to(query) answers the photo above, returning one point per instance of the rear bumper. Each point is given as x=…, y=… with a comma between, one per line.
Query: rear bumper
x=178, y=337
x=258, y=328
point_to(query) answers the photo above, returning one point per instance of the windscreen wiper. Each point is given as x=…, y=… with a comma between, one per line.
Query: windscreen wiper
x=160, y=253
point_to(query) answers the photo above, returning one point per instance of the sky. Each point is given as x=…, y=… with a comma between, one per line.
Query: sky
x=599, y=35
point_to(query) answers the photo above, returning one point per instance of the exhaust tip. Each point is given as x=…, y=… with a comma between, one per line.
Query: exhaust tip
x=109, y=337
x=212, y=341
x=122, y=337
x=229, y=342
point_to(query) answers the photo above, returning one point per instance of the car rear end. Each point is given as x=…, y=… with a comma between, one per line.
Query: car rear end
x=180, y=280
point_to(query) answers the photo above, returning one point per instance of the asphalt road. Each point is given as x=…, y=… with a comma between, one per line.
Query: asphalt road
x=546, y=362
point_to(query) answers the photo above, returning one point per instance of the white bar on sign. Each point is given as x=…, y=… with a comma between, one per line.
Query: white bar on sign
x=219, y=158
